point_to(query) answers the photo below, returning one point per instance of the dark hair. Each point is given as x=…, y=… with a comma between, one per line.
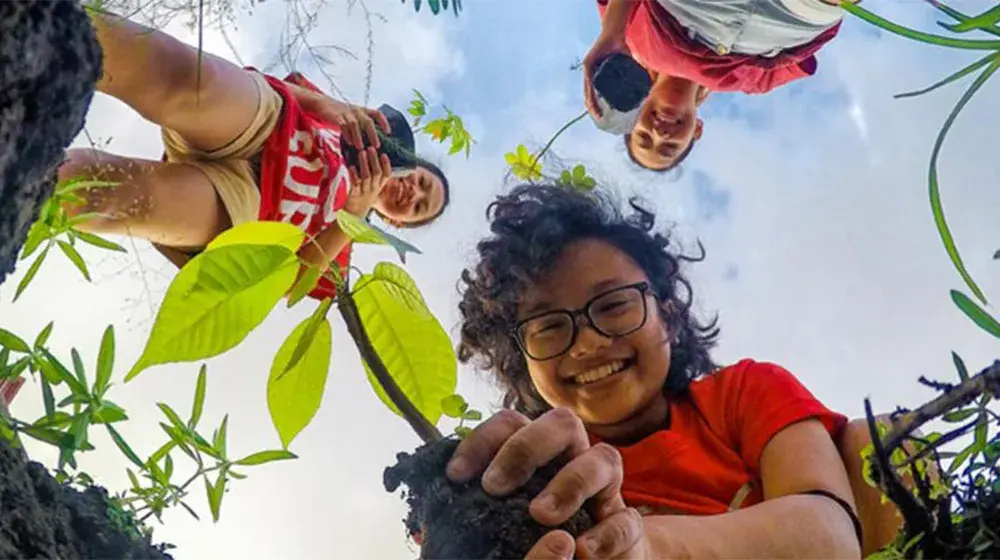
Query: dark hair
x=436, y=171
x=676, y=162
x=530, y=226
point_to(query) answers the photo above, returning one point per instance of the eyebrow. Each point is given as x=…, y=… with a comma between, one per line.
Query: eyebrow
x=598, y=288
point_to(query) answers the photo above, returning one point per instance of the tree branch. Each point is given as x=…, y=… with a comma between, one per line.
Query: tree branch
x=420, y=424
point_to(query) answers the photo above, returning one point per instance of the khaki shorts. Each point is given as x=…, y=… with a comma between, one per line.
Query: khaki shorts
x=228, y=168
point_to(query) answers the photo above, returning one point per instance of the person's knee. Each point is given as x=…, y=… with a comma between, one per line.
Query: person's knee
x=103, y=201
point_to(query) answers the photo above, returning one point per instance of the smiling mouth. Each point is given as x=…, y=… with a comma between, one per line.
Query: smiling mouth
x=601, y=372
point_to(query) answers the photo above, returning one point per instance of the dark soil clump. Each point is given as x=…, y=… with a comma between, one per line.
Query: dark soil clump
x=461, y=521
x=40, y=518
x=622, y=82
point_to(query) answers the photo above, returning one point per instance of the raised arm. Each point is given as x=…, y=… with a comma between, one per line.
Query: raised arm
x=788, y=524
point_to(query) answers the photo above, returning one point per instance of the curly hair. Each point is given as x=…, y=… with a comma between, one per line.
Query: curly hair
x=530, y=226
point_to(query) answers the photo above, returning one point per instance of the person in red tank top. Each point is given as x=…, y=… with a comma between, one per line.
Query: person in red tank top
x=583, y=316
x=688, y=63
x=239, y=146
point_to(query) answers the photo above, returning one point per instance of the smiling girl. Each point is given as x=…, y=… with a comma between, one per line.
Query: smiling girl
x=240, y=146
x=583, y=316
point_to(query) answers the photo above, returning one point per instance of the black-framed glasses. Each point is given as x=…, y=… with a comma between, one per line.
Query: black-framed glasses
x=617, y=312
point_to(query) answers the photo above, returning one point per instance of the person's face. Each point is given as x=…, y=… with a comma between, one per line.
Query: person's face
x=605, y=381
x=663, y=131
x=412, y=197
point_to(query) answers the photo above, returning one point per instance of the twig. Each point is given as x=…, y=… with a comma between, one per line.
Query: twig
x=985, y=381
x=420, y=424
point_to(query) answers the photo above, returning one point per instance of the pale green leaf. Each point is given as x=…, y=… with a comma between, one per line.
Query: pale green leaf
x=262, y=457
x=361, y=231
x=43, y=337
x=305, y=284
x=454, y=406
x=260, y=233
x=108, y=413
x=13, y=342
x=215, y=493
x=414, y=347
x=98, y=242
x=32, y=271
x=75, y=258
x=199, y=397
x=294, y=395
x=215, y=301
x=105, y=360
x=38, y=233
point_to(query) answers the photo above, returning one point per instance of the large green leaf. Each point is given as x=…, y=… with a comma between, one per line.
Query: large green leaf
x=414, y=347
x=260, y=233
x=215, y=301
x=294, y=393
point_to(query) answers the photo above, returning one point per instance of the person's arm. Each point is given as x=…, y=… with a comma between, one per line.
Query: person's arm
x=788, y=524
x=616, y=16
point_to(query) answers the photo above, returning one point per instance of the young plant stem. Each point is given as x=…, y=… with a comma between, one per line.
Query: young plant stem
x=565, y=127
x=420, y=424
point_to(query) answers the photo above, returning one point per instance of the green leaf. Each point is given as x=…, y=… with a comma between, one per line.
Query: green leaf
x=944, y=232
x=15, y=369
x=918, y=35
x=105, y=360
x=978, y=315
x=215, y=301
x=454, y=406
x=78, y=366
x=278, y=234
x=179, y=437
x=959, y=415
x=961, y=458
x=294, y=394
x=53, y=437
x=54, y=368
x=985, y=20
x=133, y=479
x=523, y=164
x=414, y=347
x=963, y=372
x=472, y=416
x=199, y=397
x=952, y=78
x=47, y=398
x=75, y=258
x=982, y=433
x=108, y=413
x=98, y=242
x=162, y=452
x=59, y=419
x=13, y=342
x=305, y=284
x=32, y=271
x=361, y=231
x=38, y=233
x=219, y=441
x=75, y=399
x=172, y=416
x=215, y=494
x=463, y=431
x=43, y=336
x=124, y=447
x=262, y=457
x=78, y=429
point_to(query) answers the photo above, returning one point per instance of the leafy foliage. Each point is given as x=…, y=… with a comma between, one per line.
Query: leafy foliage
x=528, y=167
x=449, y=127
x=436, y=6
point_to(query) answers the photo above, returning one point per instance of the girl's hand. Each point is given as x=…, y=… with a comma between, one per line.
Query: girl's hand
x=508, y=448
x=367, y=181
x=353, y=120
x=607, y=43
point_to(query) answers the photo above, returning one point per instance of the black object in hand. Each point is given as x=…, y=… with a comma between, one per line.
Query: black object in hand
x=399, y=144
x=622, y=82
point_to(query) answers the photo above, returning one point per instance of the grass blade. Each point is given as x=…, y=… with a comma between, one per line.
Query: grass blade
x=935, y=193
x=959, y=17
x=918, y=36
x=956, y=76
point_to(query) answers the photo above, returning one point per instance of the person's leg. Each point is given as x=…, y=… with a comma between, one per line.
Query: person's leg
x=159, y=77
x=174, y=204
x=880, y=522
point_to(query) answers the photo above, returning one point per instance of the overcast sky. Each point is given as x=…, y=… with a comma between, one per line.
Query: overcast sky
x=811, y=202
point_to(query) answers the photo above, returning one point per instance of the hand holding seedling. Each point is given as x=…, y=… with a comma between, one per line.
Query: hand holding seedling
x=355, y=121
x=510, y=448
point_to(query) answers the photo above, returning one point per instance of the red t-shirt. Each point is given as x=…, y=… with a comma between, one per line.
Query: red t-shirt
x=303, y=178
x=661, y=44
x=712, y=449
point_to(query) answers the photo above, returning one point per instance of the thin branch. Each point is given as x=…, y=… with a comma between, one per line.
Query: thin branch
x=420, y=424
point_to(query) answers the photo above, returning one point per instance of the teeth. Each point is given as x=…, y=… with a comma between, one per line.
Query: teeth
x=598, y=373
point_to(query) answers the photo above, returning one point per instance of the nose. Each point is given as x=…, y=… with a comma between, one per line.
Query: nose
x=588, y=341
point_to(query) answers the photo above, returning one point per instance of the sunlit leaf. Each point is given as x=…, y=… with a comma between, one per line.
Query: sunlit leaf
x=523, y=164
x=108, y=413
x=306, y=283
x=262, y=457
x=38, y=234
x=59, y=419
x=105, y=361
x=414, y=347
x=13, y=342
x=260, y=233
x=294, y=394
x=215, y=301
x=32, y=271
x=454, y=406
x=199, y=397
x=75, y=258
x=985, y=20
x=162, y=452
x=215, y=493
x=361, y=231
x=43, y=337
x=978, y=315
x=54, y=368
x=219, y=441
x=172, y=416
x=98, y=242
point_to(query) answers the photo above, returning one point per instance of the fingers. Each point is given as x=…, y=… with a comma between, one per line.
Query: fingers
x=619, y=536
x=553, y=545
x=364, y=169
x=475, y=451
x=589, y=95
x=379, y=119
x=597, y=474
x=365, y=122
x=386, y=166
x=555, y=433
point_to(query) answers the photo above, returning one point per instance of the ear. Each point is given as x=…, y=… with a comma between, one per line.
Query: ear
x=699, y=128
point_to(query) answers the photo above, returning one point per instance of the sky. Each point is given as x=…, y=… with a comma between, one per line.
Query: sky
x=811, y=202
